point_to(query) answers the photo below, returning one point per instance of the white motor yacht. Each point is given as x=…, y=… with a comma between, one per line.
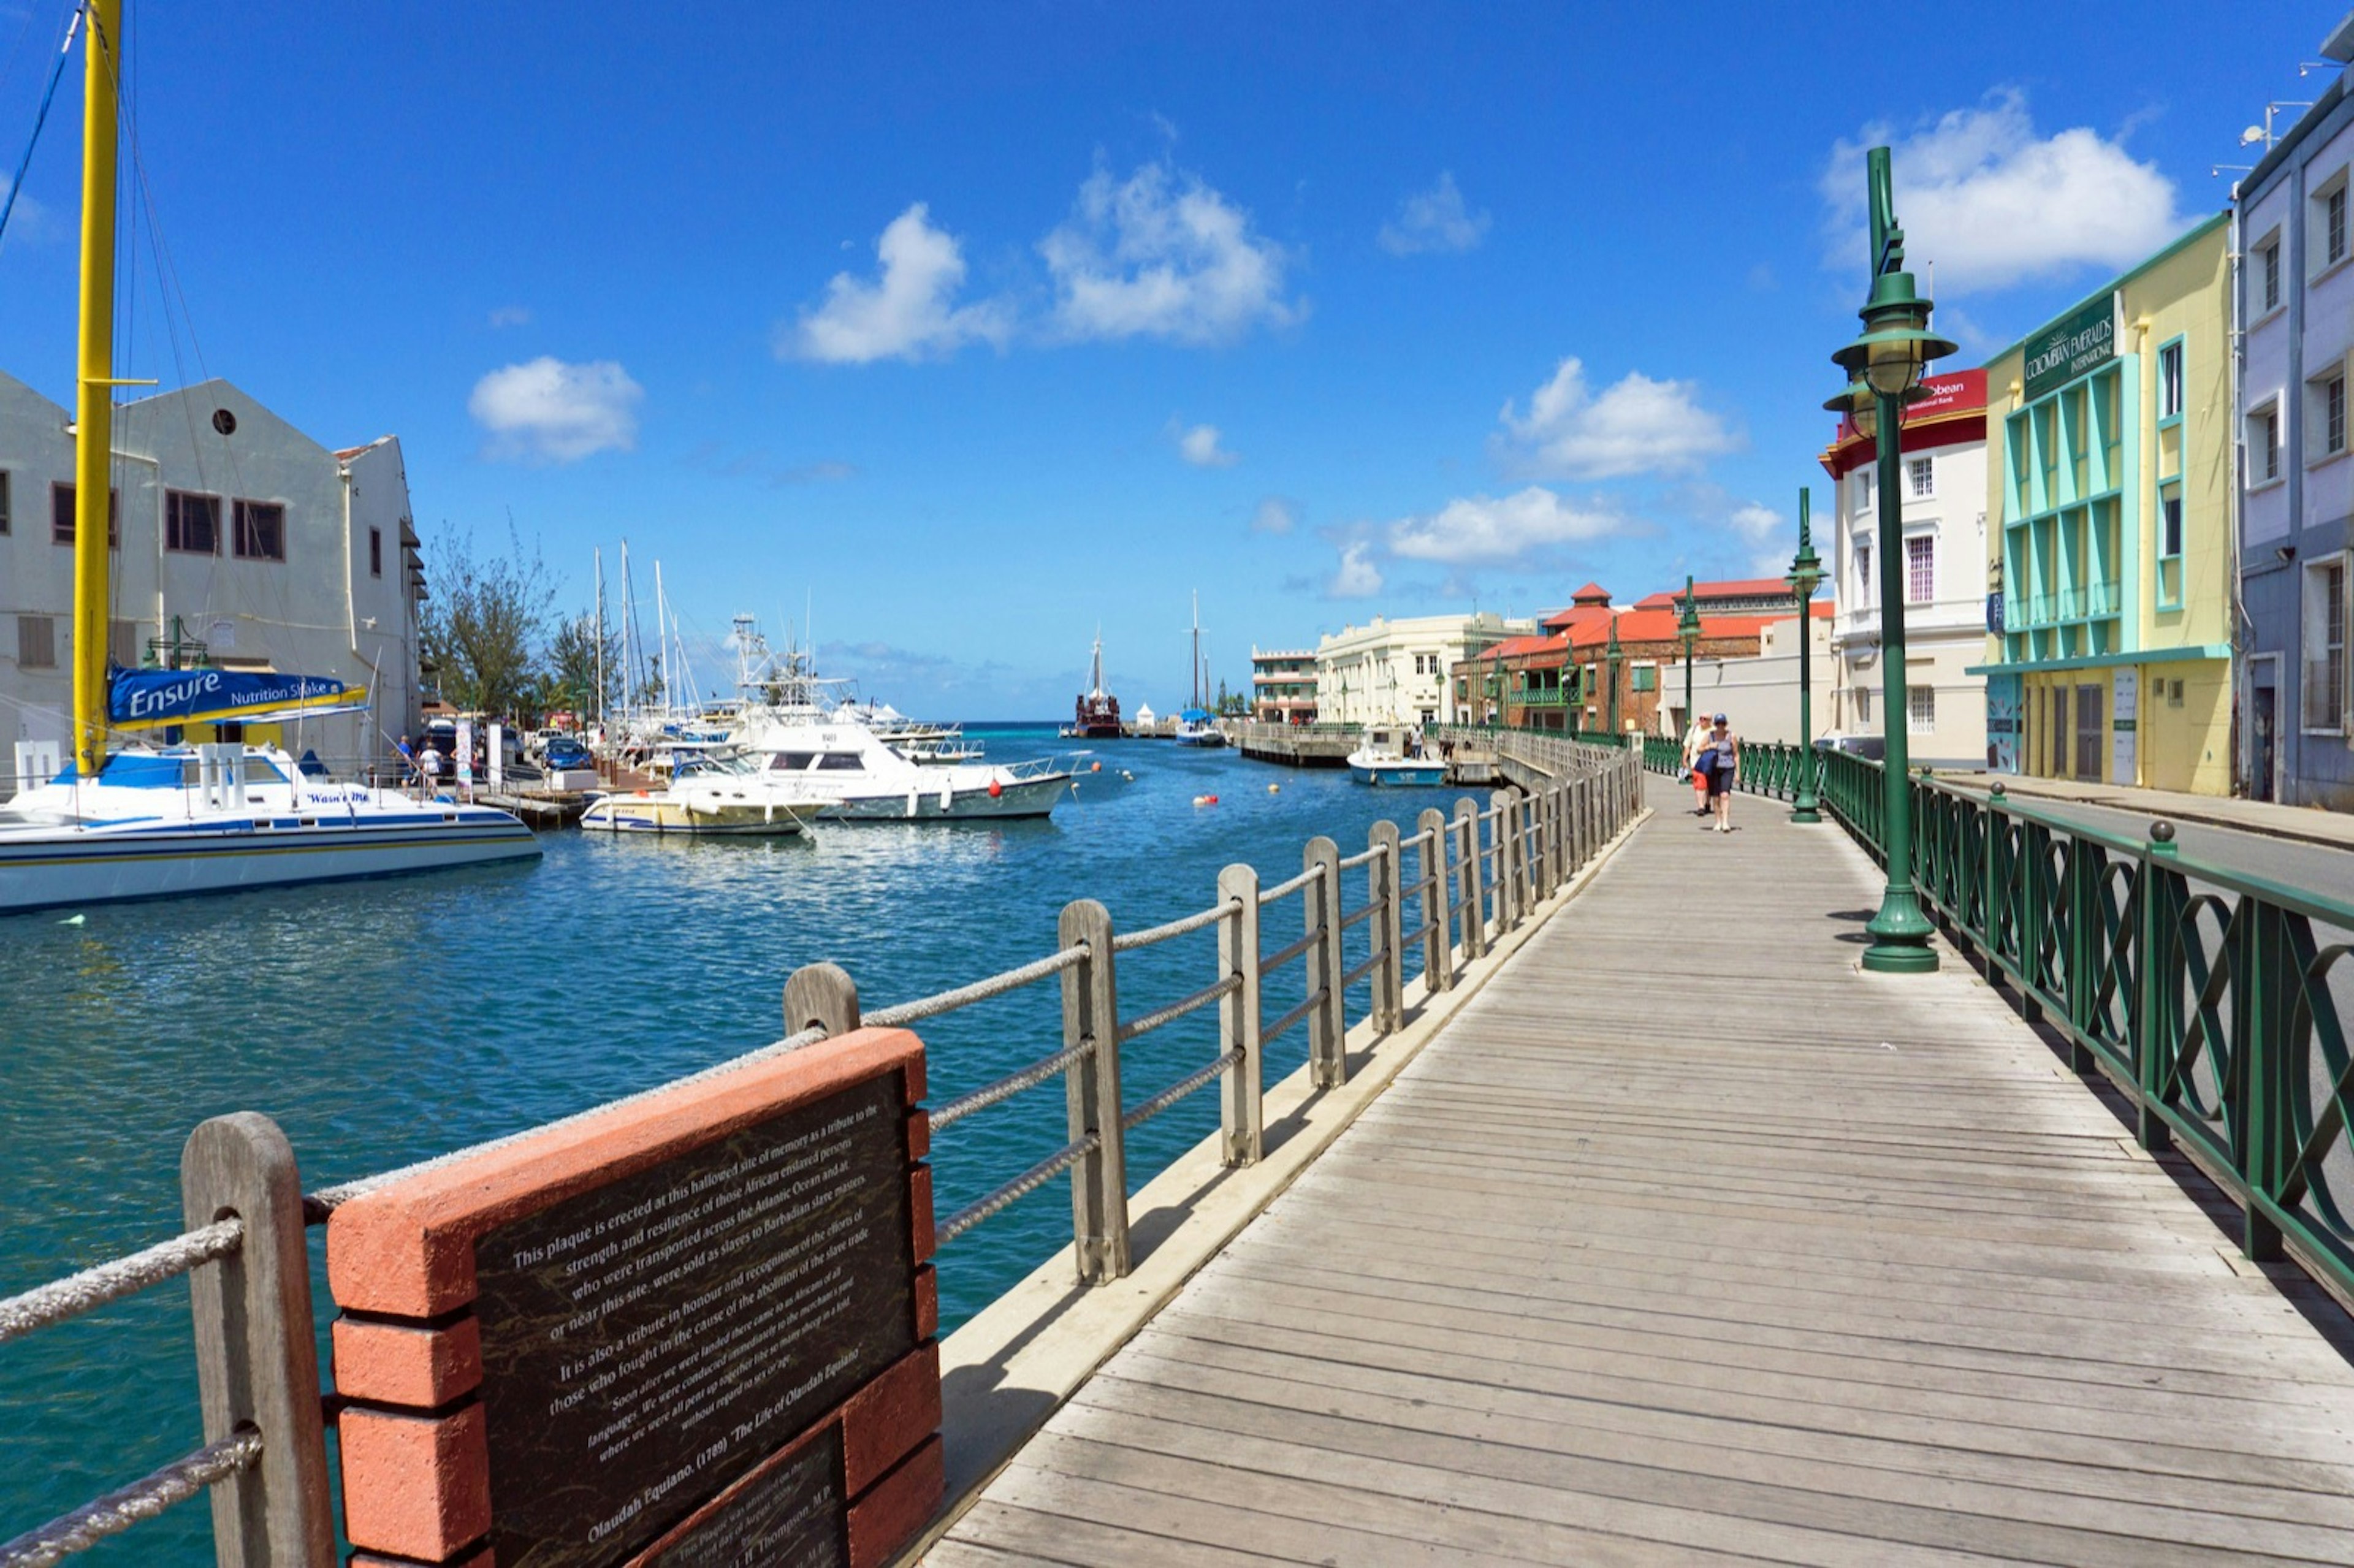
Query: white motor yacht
x=727, y=795
x=855, y=775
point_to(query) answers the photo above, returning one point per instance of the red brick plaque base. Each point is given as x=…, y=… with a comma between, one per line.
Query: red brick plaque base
x=697, y=1329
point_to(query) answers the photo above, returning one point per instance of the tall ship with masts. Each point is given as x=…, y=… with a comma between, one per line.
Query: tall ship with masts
x=138, y=812
x=1096, y=716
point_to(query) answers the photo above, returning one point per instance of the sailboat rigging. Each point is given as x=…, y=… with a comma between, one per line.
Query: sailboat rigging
x=150, y=822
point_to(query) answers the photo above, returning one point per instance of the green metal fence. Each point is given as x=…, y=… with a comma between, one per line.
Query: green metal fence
x=2203, y=993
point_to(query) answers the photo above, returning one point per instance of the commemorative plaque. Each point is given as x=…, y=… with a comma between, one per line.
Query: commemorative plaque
x=649, y=1341
x=696, y=1328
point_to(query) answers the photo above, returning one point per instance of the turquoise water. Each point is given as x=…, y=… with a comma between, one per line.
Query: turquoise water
x=383, y=1021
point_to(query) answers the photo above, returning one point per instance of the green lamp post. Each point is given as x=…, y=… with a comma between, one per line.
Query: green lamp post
x=1806, y=576
x=1688, y=633
x=1888, y=357
x=1614, y=659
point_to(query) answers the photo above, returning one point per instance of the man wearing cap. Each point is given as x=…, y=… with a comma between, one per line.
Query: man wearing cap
x=1721, y=756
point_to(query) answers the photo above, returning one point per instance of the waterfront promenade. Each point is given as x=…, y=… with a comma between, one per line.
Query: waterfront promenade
x=1685, y=1242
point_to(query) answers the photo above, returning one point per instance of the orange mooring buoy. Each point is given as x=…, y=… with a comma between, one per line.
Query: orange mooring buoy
x=995, y=788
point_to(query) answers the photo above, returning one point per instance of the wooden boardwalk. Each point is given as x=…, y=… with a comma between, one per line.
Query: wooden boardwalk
x=1686, y=1243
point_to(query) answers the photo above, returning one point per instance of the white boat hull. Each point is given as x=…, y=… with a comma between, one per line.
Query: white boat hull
x=57, y=868
x=659, y=814
x=1025, y=797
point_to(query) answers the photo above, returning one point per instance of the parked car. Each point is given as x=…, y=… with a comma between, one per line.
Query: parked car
x=1870, y=747
x=565, y=752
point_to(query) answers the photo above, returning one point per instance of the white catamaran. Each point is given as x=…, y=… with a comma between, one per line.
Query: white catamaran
x=147, y=822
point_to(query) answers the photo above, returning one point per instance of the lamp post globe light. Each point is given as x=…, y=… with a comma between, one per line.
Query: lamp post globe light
x=1688, y=633
x=1888, y=357
x=1806, y=576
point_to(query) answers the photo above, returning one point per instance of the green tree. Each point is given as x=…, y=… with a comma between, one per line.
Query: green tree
x=573, y=665
x=484, y=621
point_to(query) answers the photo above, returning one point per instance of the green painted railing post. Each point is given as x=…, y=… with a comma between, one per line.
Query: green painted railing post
x=2155, y=986
x=2083, y=958
x=2259, y=991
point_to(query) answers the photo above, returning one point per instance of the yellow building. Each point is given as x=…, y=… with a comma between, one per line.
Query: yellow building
x=2109, y=497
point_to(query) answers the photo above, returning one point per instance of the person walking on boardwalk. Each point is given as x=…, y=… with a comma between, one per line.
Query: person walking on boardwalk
x=1695, y=742
x=1721, y=757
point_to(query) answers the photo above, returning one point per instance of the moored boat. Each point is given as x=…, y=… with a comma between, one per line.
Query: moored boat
x=722, y=797
x=1389, y=758
x=1095, y=715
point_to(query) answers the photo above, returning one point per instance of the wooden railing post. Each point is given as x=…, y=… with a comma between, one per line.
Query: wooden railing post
x=1507, y=861
x=1389, y=975
x=1091, y=1016
x=1328, y=1025
x=257, y=1350
x=1437, y=912
x=821, y=996
x=1472, y=912
x=1242, y=1123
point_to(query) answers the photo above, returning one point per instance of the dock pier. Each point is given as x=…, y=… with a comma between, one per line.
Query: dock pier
x=1296, y=745
x=1524, y=1265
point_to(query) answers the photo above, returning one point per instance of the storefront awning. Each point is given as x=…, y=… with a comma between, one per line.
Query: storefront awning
x=2192, y=654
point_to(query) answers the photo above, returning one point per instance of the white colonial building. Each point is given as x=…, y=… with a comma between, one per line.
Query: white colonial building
x=1944, y=474
x=1395, y=672
x=232, y=530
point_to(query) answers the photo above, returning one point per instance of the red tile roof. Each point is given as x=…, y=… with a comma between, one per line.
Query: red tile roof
x=1592, y=593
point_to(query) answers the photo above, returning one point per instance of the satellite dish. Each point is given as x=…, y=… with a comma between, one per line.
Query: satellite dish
x=224, y=422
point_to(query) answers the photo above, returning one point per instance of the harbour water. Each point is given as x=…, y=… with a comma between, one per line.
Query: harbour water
x=380, y=1023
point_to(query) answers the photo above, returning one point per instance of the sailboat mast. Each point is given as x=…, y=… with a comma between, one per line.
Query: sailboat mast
x=94, y=384
x=600, y=637
x=662, y=636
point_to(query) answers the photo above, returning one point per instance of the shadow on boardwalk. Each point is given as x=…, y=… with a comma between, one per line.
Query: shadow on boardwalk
x=1686, y=1243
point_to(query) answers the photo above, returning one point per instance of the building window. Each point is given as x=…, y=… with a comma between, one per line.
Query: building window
x=2330, y=209
x=1921, y=568
x=123, y=643
x=2268, y=269
x=2170, y=547
x=2325, y=646
x=1862, y=704
x=6, y=509
x=1864, y=490
x=1920, y=709
x=260, y=530
x=2264, y=444
x=2169, y=381
x=2328, y=414
x=191, y=523
x=1864, y=587
x=1647, y=678
x=1923, y=475
x=376, y=552
x=61, y=516
x=37, y=642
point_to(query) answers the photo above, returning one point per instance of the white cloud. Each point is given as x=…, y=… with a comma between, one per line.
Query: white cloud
x=1435, y=219
x=1635, y=425
x=907, y=313
x=510, y=316
x=1991, y=204
x=1762, y=527
x=1275, y=514
x=548, y=411
x=1162, y=255
x=1199, y=446
x=1480, y=528
x=1358, y=575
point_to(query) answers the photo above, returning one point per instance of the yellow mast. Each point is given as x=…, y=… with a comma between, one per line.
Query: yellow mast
x=94, y=389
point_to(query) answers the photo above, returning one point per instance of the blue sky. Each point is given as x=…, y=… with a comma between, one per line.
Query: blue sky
x=976, y=327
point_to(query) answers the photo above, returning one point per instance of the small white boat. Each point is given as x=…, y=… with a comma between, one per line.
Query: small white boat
x=1387, y=759
x=718, y=797
x=1195, y=725
x=852, y=775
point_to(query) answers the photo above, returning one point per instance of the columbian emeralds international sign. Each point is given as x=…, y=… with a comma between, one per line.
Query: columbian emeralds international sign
x=2070, y=346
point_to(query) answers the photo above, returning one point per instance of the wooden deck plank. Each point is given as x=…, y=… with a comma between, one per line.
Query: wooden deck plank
x=1797, y=1265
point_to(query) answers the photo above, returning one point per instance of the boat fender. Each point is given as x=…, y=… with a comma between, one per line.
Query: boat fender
x=1205, y=799
x=996, y=790
x=1274, y=788
x=1095, y=767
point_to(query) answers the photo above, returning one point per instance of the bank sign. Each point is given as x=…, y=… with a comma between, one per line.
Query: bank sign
x=2080, y=343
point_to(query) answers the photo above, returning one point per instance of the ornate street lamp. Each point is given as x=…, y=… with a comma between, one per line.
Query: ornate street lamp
x=1888, y=356
x=1806, y=576
x=1688, y=633
x=1614, y=658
